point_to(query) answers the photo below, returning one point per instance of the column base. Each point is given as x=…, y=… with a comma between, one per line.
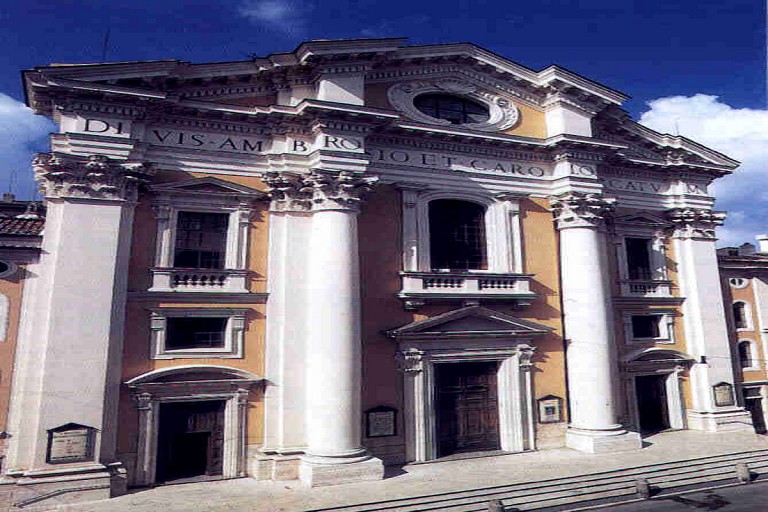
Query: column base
x=602, y=441
x=315, y=472
x=726, y=420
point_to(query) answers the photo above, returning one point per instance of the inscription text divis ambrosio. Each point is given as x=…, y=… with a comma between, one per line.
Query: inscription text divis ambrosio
x=203, y=140
x=454, y=162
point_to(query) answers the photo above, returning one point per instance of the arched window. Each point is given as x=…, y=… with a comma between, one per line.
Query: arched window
x=740, y=317
x=457, y=235
x=746, y=359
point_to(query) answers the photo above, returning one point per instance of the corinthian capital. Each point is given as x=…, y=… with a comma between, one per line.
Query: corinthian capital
x=318, y=190
x=288, y=193
x=92, y=177
x=695, y=222
x=580, y=210
x=338, y=191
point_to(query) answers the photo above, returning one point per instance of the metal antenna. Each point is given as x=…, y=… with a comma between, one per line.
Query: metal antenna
x=105, y=45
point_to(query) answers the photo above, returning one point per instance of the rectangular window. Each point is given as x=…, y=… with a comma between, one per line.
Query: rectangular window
x=639, y=258
x=646, y=326
x=195, y=332
x=201, y=240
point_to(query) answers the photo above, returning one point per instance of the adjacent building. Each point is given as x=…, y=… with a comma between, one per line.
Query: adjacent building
x=744, y=274
x=358, y=253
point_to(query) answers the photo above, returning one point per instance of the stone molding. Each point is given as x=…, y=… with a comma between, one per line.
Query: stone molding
x=695, y=223
x=503, y=113
x=90, y=177
x=580, y=210
x=318, y=190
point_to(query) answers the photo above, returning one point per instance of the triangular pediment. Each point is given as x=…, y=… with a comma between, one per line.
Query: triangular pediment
x=476, y=321
x=642, y=220
x=207, y=186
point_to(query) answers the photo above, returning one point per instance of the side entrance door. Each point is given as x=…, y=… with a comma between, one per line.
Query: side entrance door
x=191, y=440
x=467, y=407
x=755, y=408
x=652, y=403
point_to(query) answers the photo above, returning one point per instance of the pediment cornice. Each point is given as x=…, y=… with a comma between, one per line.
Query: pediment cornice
x=472, y=321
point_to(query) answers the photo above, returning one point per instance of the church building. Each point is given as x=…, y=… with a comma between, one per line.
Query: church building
x=357, y=253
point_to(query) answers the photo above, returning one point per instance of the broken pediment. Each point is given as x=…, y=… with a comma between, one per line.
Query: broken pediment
x=473, y=321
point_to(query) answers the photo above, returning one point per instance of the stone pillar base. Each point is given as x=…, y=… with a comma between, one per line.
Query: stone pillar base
x=316, y=474
x=726, y=420
x=274, y=467
x=602, y=441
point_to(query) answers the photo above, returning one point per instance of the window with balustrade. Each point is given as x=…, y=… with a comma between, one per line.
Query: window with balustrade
x=641, y=256
x=460, y=246
x=202, y=236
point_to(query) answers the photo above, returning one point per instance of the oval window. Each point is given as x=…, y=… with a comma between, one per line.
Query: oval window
x=454, y=109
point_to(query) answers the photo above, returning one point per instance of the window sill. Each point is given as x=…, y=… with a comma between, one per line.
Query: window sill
x=645, y=288
x=421, y=287
x=198, y=280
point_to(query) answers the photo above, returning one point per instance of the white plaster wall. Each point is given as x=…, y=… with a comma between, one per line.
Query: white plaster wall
x=561, y=120
x=65, y=360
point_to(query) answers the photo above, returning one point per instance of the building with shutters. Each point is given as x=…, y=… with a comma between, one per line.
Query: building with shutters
x=356, y=253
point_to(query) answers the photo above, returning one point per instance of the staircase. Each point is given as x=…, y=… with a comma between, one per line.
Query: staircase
x=583, y=492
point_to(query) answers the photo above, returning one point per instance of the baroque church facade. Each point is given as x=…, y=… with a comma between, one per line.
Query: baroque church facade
x=358, y=253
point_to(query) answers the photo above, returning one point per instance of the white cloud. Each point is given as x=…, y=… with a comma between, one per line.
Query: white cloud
x=740, y=133
x=22, y=134
x=279, y=15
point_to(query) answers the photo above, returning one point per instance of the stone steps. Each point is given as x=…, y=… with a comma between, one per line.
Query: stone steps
x=584, y=491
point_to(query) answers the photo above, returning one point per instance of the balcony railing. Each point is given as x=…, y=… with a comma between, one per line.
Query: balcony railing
x=645, y=288
x=420, y=287
x=198, y=280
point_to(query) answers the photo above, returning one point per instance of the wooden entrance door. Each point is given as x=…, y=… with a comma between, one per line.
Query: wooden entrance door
x=755, y=408
x=467, y=407
x=191, y=440
x=651, y=394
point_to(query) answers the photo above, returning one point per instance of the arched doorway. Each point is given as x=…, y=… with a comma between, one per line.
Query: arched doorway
x=652, y=384
x=192, y=422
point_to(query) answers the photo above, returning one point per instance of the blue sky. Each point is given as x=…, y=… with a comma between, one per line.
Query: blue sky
x=701, y=64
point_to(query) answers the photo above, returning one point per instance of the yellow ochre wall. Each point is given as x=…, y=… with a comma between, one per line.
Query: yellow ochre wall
x=380, y=261
x=12, y=287
x=136, y=356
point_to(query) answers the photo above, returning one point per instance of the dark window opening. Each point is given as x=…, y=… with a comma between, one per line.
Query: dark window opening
x=201, y=240
x=646, y=326
x=457, y=235
x=194, y=332
x=638, y=258
x=740, y=315
x=745, y=354
x=455, y=109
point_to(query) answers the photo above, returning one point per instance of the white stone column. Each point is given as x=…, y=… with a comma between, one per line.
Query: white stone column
x=706, y=330
x=588, y=317
x=332, y=345
x=70, y=351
